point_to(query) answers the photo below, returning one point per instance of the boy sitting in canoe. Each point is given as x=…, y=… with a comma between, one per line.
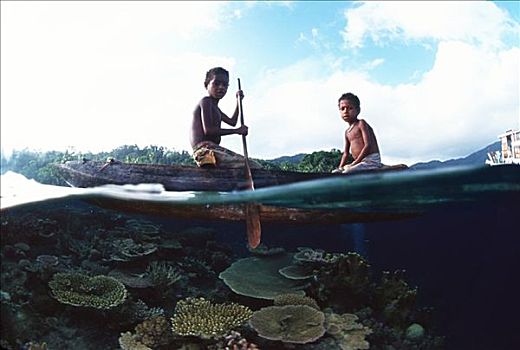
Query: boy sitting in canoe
x=360, y=140
x=206, y=130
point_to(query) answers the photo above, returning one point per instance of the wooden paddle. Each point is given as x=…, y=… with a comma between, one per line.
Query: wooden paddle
x=254, y=231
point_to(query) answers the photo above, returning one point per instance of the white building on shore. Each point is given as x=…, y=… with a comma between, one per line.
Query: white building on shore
x=510, y=150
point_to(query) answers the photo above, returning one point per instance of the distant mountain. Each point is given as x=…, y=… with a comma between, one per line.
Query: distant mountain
x=477, y=158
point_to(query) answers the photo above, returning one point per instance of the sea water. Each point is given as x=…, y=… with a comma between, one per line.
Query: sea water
x=455, y=238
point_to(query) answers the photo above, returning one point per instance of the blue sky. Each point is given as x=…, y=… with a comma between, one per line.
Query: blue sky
x=437, y=80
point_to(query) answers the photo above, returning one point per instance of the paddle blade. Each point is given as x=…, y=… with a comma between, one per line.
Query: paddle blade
x=254, y=231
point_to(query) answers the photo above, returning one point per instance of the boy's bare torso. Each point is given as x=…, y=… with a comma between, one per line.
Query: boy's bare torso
x=358, y=135
x=210, y=120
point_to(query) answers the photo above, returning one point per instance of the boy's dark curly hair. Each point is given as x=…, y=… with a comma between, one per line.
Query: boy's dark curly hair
x=212, y=72
x=353, y=99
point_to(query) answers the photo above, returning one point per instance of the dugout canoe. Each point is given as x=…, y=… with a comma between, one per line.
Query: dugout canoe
x=88, y=173
x=189, y=178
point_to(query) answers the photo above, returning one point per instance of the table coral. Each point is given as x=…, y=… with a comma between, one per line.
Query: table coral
x=295, y=299
x=259, y=277
x=199, y=317
x=127, y=250
x=291, y=323
x=99, y=292
x=297, y=272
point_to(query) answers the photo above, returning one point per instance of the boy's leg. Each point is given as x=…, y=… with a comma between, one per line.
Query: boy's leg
x=372, y=161
x=203, y=155
x=211, y=153
x=229, y=159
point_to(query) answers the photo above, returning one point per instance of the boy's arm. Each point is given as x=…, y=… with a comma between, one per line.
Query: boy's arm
x=344, y=157
x=233, y=120
x=367, y=146
x=210, y=123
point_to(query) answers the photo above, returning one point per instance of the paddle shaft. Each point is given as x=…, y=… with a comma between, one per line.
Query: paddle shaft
x=244, y=143
x=252, y=210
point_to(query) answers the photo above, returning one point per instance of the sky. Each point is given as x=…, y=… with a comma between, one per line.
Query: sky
x=436, y=80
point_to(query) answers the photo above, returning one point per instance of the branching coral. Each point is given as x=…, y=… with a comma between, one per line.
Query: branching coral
x=349, y=334
x=196, y=268
x=345, y=282
x=263, y=250
x=235, y=341
x=128, y=341
x=199, y=317
x=307, y=262
x=161, y=274
x=100, y=292
x=35, y=346
x=154, y=332
x=315, y=256
x=395, y=298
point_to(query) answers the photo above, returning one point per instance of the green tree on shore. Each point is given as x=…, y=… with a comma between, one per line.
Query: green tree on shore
x=39, y=165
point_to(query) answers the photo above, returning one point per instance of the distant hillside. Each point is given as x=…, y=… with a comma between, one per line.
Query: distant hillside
x=477, y=158
x=289, y=159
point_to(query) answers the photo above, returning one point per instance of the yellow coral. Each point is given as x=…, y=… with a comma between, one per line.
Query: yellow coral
x=199, y=317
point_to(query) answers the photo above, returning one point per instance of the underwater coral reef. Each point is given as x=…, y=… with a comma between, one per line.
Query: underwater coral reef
x=95, y=279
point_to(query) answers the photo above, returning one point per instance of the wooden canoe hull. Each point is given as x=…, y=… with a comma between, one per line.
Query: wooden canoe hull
x=237, y=212
x=185, y=178
x=181, y=178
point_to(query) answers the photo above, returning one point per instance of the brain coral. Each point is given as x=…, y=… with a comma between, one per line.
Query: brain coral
x=199, y=317
x=290, y=324
x=100, y=292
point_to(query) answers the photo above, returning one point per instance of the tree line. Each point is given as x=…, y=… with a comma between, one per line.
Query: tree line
x=39, y=165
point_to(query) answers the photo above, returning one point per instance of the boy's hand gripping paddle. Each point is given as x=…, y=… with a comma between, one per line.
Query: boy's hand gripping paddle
x=254, y=231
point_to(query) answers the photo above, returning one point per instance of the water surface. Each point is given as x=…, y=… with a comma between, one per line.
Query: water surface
x=460, y=250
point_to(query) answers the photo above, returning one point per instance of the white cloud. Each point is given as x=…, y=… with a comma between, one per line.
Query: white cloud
x=139, y=100
x=480, y=22
x=373, y=64
x=313, y=40
x=86, y=74
x=468, y=97
x=102, y=83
